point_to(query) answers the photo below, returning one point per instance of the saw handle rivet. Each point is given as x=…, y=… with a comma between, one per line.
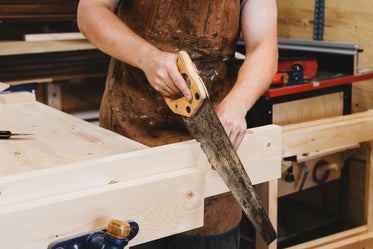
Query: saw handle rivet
x=188, y=109
x=196, y=96
x=259, y=218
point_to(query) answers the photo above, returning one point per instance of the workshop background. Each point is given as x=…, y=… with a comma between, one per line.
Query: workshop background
x=69, y=74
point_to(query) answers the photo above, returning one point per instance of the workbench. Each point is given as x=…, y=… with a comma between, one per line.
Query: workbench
x=71, y=177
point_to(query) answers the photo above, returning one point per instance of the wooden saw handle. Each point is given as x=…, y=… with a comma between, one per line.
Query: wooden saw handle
x=181, y=105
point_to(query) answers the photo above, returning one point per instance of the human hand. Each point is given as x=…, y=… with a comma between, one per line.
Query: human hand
x=232, y=117
x=163, y=75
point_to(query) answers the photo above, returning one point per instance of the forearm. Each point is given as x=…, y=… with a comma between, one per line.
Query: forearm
x=255, y=75
x=104, y=30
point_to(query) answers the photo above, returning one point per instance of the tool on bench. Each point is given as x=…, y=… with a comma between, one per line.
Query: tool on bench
x=29, y=87
x=115, y=236
x=8, y=134
x=204, y=125
x=292, y=71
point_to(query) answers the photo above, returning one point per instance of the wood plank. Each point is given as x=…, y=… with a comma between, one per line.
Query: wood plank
x=37, y=47
x=326, y=133
x=17, y=97
x=295, y=19
x=326, y=152
x=362, y=93
x=102, y=171
x=268, y=193
x=67, y=149
x=331, y=238
x=58, y=139
x=369, y=189
x=363, y=241
x=97, y=172
x=162, y=204
x=330, y=105
x=54, y=36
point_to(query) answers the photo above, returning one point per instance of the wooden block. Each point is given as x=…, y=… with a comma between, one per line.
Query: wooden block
x=17, y=98
x=162, y=205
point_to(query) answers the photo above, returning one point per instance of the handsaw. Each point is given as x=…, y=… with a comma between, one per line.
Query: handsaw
x=204, y=125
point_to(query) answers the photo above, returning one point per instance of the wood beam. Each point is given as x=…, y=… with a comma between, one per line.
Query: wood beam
x=327, y=133
x=162, y=205
x=268, y=192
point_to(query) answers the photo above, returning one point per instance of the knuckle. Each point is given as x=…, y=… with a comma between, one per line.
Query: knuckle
x=160, y=75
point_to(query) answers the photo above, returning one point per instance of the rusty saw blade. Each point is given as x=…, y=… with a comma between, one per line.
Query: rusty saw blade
x=204, y=125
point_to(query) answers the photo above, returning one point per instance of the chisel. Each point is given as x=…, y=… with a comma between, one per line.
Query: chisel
x=8, y=134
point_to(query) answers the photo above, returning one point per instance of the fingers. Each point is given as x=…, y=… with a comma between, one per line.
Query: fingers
x=236, y=136
x=164, y=76
x=234, y=127
x=181, y=85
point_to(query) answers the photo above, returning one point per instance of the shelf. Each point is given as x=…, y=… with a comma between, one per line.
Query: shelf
x=317, y=84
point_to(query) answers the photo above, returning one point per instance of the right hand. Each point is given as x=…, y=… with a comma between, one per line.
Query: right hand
x=163, y=75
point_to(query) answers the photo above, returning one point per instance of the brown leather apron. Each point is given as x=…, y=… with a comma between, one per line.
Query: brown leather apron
x=208, y=31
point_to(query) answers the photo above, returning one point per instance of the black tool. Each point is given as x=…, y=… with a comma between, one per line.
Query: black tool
x=8, y=134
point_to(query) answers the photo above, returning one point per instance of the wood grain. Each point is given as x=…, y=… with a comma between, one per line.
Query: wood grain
x=326, y=133
x=58, y=139
x=162, y=205
x=330, y=105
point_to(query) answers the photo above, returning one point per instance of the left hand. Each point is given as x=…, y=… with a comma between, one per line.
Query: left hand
x=233, y=120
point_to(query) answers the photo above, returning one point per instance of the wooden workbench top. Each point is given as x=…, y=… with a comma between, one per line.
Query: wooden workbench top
x=58, y=138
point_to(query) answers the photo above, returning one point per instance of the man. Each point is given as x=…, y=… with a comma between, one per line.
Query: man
x=143, y=37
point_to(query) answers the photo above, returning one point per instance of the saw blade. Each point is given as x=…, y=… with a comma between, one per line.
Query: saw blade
x=207, y=129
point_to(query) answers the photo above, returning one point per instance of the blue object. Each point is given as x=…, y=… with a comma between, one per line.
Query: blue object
x=29, y=87
x=318, y=25
x=97, y=240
